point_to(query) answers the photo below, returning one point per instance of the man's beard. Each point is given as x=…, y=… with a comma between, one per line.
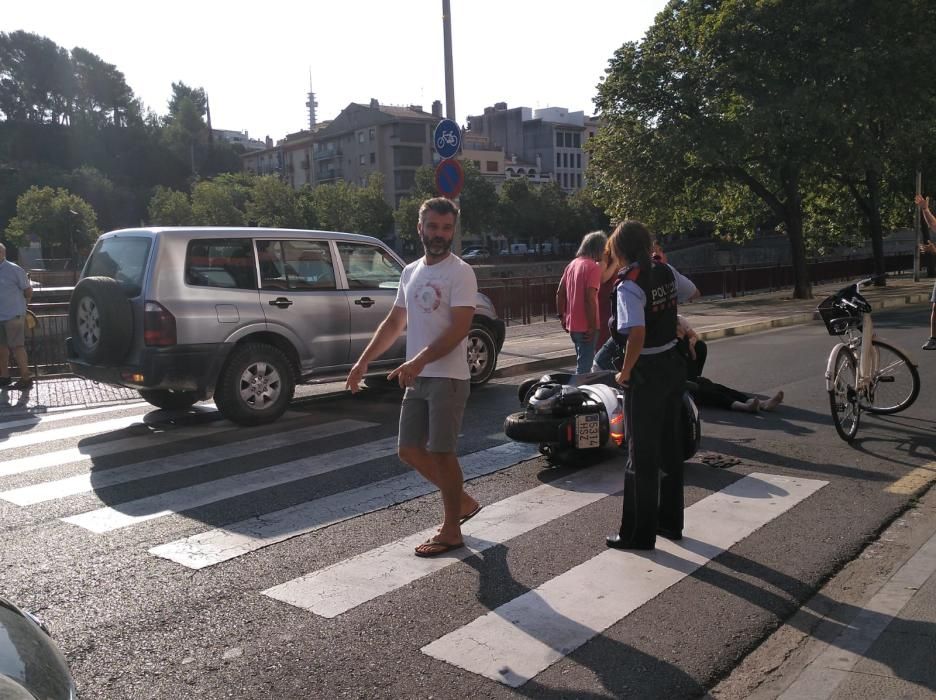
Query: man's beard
x=437, y=246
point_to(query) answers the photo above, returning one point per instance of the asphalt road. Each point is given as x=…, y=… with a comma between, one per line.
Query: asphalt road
x=86, y=496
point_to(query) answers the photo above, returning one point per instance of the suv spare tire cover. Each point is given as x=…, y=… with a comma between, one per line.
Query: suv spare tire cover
x=100, y=320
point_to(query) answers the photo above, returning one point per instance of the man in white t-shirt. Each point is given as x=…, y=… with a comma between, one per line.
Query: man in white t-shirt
x=435, y=305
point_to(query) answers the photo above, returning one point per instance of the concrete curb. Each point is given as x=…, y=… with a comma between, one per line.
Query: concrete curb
x=795, y=319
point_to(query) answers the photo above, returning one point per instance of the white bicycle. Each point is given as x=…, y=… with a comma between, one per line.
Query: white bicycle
x=864, y=372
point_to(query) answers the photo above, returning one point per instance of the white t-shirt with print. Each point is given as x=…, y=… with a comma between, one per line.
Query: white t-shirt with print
x=428, y=293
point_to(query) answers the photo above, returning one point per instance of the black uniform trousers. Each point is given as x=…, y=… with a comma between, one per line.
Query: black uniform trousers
x=653, y=479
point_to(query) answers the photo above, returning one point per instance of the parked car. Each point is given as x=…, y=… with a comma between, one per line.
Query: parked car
x=476, y=255
x=240, y=314
x=31, y=666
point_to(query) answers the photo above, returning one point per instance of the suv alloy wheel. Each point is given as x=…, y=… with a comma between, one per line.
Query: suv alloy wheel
x=482, y=354
x=256, y=385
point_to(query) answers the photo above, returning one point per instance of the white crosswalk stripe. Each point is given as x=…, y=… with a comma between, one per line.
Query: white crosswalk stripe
x=72, y=431
x=37, y=419
x=83, y=483
x=209, y=548
x=345, y=585
x=525, y=636
x=167, y=503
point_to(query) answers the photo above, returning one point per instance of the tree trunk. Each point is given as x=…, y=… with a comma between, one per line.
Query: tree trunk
x=877, y=230
x=793, y=217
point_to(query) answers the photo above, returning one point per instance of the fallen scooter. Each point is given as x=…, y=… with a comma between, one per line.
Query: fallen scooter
x=574, y=417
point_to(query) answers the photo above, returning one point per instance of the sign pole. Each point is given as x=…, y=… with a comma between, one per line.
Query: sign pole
x=450, y=97
x=918, y=215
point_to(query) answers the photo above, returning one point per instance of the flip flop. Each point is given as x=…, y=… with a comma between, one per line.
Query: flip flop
x=465, y=518
x=432, y=548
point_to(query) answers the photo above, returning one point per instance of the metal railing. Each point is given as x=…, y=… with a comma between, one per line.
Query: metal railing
x=520, y=300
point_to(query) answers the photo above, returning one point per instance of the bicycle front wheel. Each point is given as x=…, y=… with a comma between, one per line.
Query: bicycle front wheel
x=895, y=383
x=843, y=397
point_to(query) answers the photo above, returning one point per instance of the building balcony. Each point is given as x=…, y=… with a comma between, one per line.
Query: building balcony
x=330, y=176
x=325, y=155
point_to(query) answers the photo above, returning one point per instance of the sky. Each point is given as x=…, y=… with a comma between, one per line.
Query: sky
x=255, y=59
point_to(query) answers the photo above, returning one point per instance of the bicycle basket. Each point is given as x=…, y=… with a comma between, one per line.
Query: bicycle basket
x=836, y=317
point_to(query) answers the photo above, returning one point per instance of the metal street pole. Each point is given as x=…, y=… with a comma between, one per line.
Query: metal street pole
x=918, y=215
x=447, y=45
x=450, y=96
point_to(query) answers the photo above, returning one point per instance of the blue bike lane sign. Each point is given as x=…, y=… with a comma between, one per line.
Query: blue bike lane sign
x=447, y=138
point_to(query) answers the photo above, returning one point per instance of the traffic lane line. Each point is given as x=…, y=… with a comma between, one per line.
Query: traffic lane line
x=915, y=481
x=525, y=636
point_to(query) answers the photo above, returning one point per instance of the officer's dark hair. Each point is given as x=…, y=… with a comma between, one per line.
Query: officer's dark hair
x=440, y=205
x=631, y=241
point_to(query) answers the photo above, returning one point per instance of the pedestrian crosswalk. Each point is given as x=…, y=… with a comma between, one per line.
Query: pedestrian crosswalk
x=161, y=473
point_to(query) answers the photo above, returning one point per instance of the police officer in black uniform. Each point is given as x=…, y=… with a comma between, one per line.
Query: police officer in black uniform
x=653, y=376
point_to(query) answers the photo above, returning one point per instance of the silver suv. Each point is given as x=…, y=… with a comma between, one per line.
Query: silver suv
x=240, y=314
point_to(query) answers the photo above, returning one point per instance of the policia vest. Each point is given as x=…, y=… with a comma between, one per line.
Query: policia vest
x=659, y=308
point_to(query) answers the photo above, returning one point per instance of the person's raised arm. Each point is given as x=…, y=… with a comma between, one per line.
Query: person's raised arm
x=387, y=332
x=923, y=204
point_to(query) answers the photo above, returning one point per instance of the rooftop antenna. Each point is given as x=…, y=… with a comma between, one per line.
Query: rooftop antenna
x=311, y=104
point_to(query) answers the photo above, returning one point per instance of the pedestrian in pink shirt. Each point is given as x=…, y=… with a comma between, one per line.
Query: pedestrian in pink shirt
x=577, y=299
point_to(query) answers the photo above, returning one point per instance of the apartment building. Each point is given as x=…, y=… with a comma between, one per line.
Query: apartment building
x=544, y=145
x=362, y=139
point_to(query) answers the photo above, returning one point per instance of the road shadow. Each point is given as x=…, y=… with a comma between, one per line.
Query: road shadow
x=622, y=670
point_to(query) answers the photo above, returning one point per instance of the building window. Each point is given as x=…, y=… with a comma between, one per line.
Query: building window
x=578, y=161
x=558, y=159
x=373, y=158
x=361, y=137
x=492, y=166
x=568, y=139
x=576, y=140
x=565, y=160
x=362, y=159
x=559, y=138
x=578, y=180
x=373, y=134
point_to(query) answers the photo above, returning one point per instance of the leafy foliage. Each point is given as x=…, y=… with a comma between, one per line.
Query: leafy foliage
x=63, y=222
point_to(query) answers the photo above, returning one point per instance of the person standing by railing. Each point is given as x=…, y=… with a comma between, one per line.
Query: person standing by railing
x=15, y=293
x=577, y=298
x=930, y=248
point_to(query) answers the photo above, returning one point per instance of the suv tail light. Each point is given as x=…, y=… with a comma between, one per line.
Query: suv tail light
x=159, y=327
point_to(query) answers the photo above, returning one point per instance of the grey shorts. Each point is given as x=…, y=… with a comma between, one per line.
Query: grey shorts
x=13, y=332
x=431, y=414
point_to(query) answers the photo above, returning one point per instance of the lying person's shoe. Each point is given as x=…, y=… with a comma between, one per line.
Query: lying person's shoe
x=22, y=384
x=930, y=344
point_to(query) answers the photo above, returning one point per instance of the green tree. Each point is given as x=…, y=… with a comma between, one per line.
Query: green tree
x=373, y=216
x=406, y=215
x=213, y=205
x=63, y=222
x=478, y=202
x=102, y=93
x=305, y=202
x=185, y=132
x=715, y=93
x=180, y=92
x=36, y=79
x=273, y=204
x=518, y=211
x=335, y=206
x=170, y=208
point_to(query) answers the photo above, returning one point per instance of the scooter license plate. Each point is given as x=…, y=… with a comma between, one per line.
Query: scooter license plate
x=588, y=431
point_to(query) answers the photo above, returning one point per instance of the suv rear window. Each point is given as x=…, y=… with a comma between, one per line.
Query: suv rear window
x=122, y=258
x=221, y=262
